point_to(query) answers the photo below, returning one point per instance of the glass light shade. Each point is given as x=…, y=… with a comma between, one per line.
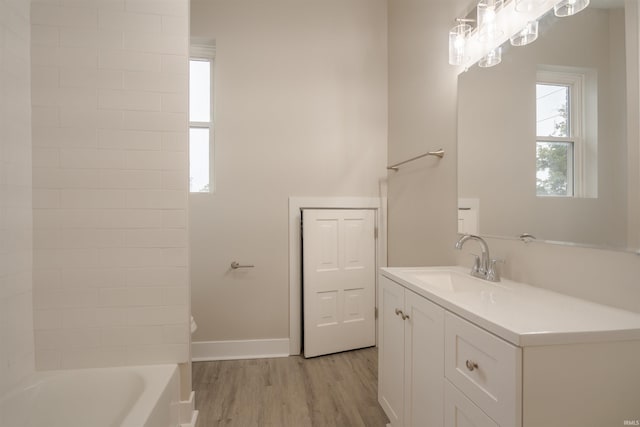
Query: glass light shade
x=488, y=25
x=491, y=59
x=525, y=36
x=569, y=7
x=528, y=5
x=458, y=43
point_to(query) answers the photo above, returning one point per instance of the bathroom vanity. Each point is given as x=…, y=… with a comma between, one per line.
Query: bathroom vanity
x=455, y=350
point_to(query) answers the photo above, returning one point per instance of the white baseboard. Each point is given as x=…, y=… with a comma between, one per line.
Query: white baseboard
x=202, y=351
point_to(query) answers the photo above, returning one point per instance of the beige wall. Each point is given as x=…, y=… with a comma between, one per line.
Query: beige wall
x=110, y=182
x=422, y=202
x=300, y=110
x=16, y=311
x=422, y=105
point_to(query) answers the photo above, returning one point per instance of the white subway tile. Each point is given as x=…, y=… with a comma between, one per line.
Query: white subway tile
x=44, y=136
x=46, y=157
x=176, y=353
x=144, y=296
x=175, y=257
x=116, y=59
x=44, y=35
x=158, y=276
x=129, y=100
x=46, y=198
x=175, y=64
x=47, y=359
x=90, y=78
x=47, y=319
x=112, y=316
x=174, y=218
x=113, y=297
x=65, y=298
x=175, y=102
x=158, y=199
x=45, y=116
x=176, y=238
x=44, y=77
x=90, y=38
x=80, y=318
x=176, y=334
x=131, y=336
x=130, y=179
x=156, y=43
x=175, y=141
x=130, y=139
x=175, y=180
x=175, y=161
x=93, y=159
x=156, y=82
x=65, y=178
x=145, y=160
x=96, y=357
x=175, y=25
x=176, y=296
x=93, y=278
x=129, y=22
x=92, y=199
x=46, y=14
x=160, y=7
x=90, y=118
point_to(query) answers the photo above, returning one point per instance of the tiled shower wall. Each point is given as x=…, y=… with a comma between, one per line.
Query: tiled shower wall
x=110, y=179
x=16, y=324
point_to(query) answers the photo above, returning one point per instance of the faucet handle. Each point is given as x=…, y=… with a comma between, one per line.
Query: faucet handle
x=493, y=274
x=475, y=269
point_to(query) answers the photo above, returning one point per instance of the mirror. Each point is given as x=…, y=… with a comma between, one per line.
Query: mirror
x=542, y=137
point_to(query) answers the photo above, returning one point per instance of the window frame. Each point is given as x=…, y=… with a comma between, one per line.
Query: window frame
x=576, y=169
x=205, y=54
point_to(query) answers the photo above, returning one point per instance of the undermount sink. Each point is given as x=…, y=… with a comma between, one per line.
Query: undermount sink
x=447, y=280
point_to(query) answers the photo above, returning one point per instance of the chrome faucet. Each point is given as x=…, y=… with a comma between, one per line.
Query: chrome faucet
x=484, y=267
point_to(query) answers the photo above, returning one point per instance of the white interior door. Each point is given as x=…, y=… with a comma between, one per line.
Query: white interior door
x=338, y=280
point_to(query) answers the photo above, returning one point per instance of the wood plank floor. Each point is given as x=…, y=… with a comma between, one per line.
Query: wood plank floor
x=337, y=390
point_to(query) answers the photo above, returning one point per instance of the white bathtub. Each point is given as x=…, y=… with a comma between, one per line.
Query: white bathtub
x=137, y=396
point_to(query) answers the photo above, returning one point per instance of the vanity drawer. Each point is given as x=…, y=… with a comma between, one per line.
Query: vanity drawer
x=459, y=411
x=487, y=369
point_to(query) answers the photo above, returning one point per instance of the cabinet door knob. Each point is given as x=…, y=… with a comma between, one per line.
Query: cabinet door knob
x=471, y=365
x=399, y=313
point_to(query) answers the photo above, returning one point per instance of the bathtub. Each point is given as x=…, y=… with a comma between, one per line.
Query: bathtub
x=137, y=396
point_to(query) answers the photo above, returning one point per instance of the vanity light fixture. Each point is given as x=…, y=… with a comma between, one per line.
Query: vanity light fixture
x=569, y=7
x=526, y=6
x=491, y=59
x=499, y=21
x=489, y=27
x=458, y=36
x=527, y=35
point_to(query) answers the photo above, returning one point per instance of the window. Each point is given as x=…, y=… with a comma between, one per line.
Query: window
x=565, y=164
x=200, y=123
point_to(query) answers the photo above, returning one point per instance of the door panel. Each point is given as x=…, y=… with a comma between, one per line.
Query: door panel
x=338, y=280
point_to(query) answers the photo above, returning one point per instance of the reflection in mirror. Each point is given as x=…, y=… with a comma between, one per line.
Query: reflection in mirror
x=542, y=141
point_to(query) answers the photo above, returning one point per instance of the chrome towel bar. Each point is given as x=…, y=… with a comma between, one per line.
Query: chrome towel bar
x=439, y=153
x=235, y=265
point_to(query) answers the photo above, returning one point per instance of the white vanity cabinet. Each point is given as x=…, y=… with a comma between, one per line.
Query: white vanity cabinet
x=411, y=357
x=506, y=355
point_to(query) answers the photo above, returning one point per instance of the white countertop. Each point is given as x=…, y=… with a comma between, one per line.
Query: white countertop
x=525, y=315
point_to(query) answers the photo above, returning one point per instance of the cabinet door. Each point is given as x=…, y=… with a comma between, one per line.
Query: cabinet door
x=461, y=412
x=391, y=350
x=423, y=362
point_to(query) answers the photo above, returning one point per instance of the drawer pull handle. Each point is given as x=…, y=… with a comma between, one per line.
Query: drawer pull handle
x=472, y=366
x=401, y=314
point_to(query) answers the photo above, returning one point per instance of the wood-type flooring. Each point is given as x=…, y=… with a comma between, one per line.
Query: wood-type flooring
x=338, y=390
